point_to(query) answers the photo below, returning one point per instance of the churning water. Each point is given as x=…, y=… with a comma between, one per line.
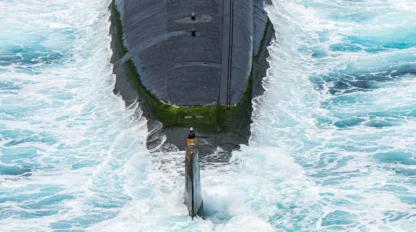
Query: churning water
x=333, y=145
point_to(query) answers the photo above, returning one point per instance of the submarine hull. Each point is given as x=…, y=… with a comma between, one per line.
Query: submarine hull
x=182, y=71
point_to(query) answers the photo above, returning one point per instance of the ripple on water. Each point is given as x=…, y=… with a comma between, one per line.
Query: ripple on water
x=398, y=157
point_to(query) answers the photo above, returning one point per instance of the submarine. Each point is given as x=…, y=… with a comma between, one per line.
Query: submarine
x=191, y=63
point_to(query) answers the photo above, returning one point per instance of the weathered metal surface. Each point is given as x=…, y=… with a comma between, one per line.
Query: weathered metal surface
x=174, y=65
x=260, y=19
x=181, y=69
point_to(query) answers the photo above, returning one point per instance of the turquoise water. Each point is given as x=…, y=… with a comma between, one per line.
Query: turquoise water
x=333, y=138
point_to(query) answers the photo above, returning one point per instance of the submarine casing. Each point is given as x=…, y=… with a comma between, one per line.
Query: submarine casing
x=216, y=68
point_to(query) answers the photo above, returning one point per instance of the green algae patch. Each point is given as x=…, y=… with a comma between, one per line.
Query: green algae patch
x=116, y=20
x=203, y=116
x=236, y=118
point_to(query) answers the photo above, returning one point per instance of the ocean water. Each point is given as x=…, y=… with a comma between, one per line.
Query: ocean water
x=333, y=138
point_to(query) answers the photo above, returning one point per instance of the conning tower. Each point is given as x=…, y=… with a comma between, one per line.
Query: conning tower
x=193, y=193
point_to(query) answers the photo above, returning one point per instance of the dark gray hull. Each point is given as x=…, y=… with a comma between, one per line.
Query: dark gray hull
x=206, y=81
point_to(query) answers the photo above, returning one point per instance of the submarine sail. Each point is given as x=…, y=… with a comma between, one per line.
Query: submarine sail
x=193, y=193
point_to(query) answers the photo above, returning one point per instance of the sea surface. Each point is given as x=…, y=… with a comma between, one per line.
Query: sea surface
x=333, y=140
